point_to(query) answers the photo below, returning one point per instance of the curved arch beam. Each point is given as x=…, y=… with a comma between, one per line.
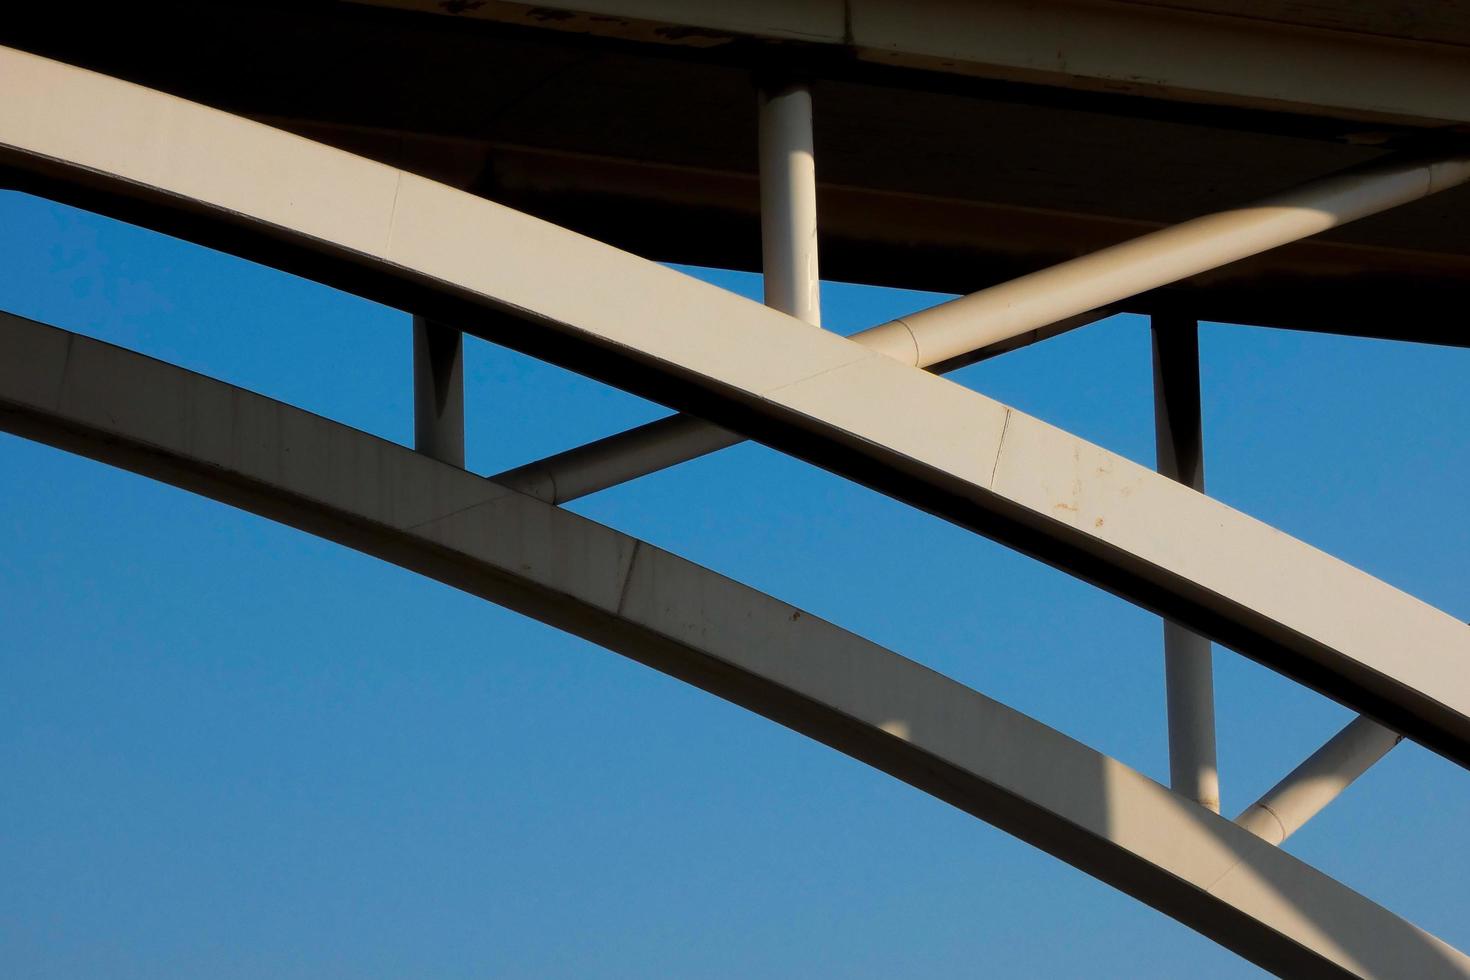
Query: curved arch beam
x=271, y=459
x=522, y=282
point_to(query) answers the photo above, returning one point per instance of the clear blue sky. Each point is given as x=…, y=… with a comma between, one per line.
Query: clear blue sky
x=232, y=750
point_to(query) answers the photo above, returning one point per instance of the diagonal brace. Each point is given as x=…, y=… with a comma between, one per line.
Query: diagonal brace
x=1304, y=791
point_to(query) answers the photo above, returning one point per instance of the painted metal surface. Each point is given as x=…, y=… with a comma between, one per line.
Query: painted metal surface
x=554, y=294
x=1189, y=679
x=789, y=265
x=989, y=760
x=438, y=391
x=1389, y=63
x=1321, y=778
x=613, y=460
x=993, y=315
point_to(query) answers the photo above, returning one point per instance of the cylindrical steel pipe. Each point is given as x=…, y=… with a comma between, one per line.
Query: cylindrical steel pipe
x=788, y=184
x=1319, y=780
x=438, y=391
x=618, y=458
x=1189, y=692
x=1189, y=683
x=1169, y=255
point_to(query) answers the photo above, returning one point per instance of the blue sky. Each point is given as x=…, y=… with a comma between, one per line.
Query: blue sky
x=233, y=750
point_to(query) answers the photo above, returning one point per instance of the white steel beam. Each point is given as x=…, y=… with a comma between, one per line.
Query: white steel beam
x=513, y=279
x=1189, y=682
x=616, y=459
x=1304, y=791
x=809, y=675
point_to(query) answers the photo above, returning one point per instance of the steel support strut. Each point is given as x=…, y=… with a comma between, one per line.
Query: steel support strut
x=1304, y=791
x=438, y=391
x=788, y=180
x=1189, y=683
x=1171, y=254
x=1038, y=305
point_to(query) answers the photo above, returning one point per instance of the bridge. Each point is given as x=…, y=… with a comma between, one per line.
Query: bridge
x=976, y=149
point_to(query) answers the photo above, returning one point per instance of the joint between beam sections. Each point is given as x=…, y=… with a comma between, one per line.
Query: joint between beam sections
x=1276, y=818
x=534, y=480
x=913, y=341
x=895, y=340
x=628, y=576
x=1000, y=447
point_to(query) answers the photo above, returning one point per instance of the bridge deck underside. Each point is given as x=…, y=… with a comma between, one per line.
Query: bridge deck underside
x=926, y=179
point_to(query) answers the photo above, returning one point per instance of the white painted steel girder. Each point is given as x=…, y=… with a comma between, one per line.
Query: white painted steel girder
x=1092, y=811
x=542, y=289
x=654, y=446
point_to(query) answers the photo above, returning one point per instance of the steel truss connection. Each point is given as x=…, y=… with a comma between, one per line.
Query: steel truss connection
x=854, y=406
x=379, y=498
x=1036, y=306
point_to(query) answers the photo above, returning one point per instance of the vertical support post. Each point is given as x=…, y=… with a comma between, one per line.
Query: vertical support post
x=438, y=391
x=788, y=179
x=1188, y=671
